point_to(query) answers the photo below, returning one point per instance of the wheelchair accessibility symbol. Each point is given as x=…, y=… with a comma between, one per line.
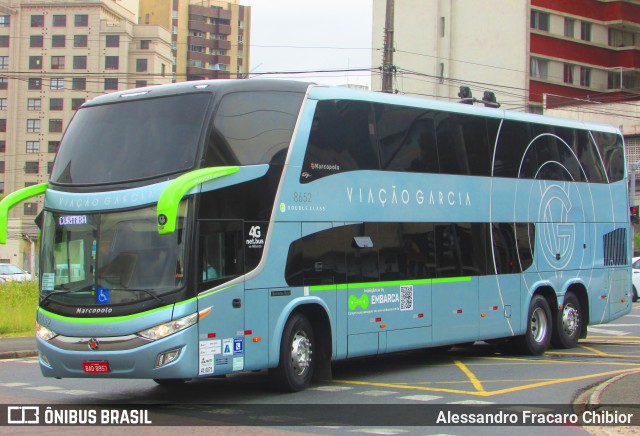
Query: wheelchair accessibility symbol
x=102, y=296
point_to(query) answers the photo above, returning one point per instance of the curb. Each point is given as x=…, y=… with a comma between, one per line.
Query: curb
x=17, y=354
x=590, y=398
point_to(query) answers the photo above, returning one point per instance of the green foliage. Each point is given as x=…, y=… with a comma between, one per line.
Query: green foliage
x=18, y=304
x=636, y=240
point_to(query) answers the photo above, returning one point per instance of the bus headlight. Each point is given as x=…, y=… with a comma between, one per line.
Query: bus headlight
x=44, y=333
x=168, y=328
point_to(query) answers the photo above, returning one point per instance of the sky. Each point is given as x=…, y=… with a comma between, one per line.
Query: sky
x=311, y=35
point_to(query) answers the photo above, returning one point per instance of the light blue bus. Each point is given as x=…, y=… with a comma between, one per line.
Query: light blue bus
x=206, y=228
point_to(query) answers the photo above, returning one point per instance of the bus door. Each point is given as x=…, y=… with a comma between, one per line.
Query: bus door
x=220, y=261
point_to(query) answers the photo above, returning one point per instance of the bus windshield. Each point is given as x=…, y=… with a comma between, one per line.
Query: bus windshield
x=119, y=257
x=132, y=140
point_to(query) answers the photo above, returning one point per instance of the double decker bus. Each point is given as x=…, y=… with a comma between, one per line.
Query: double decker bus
x=206, y=228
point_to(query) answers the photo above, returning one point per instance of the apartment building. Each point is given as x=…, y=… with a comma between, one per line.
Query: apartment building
x=54, y=55
x=210, y=38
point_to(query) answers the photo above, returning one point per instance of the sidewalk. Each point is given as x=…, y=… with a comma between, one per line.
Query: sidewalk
x=11, y=348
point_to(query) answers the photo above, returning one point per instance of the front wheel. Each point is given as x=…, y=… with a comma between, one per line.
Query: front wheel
x=568, y=323
x=536, y=339
x=295, y=369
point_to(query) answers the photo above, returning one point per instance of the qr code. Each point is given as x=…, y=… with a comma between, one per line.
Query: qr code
x=406, y=297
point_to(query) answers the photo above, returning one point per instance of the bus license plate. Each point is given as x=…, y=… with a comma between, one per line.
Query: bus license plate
x=101, y=367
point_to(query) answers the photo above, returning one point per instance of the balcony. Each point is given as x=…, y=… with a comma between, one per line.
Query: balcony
x=212, y=59
x=217, y=29
x=209, y=12
x=209, y=43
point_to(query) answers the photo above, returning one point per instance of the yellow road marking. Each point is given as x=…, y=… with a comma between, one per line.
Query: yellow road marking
x=471, y=376
x=485, y=393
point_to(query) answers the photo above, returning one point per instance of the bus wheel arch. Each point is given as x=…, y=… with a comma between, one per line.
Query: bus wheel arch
x=571, y=319
x=539, y=327
x=305, y=349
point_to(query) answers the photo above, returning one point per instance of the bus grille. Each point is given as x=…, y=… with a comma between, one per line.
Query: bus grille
x=615, y=248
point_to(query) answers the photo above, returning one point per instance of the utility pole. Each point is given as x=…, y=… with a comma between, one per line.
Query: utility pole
x=388, y=69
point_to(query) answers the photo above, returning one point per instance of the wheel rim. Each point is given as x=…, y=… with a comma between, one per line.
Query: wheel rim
x=538, y=327
x=570, y=319
x=300, y=352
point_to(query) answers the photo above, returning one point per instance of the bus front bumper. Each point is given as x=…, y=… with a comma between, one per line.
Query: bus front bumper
x=175, y=356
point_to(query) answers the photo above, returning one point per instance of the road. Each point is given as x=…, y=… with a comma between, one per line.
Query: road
x=473, y=375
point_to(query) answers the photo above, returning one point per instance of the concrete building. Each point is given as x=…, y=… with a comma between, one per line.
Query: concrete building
x=210, y=38
x=54, y=55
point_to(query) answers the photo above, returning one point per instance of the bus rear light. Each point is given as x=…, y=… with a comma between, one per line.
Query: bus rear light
x=168, y=328
x=167, y=357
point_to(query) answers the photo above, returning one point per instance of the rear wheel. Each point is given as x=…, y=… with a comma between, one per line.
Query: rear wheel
x=296, y=365
x=536, y=339
x=568, y=324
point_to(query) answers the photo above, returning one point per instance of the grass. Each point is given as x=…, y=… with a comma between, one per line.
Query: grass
x=18, y=304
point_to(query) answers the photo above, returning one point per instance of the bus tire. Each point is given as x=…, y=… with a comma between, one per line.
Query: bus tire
x=536, y=339
x=568, y=323
x=295, y=369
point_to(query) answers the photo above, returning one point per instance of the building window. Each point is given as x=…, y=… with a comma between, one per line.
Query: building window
x=57, y=84
x=113, y=41
x=59, y=20
x=3, y=146
x=540, y=20
x=31, y=209
x=35, y=62
x=5, y=20
x=81, y=21
x=585, y=31
x=141, y=65
x=569, y=26
x=54, y=146
x=568, y=73
x=36, y=41
x=585, y=76
x=145, y=44
x=111, y=62
x=4, y=40
x=49, y=167
x=110, y=84
x=79, y=62
x=33, y=104
x=3, y=124
x=58, y=41
x=614, y=80
x=33, y=146
x=31, y=167
x=35, y=83
x=56, y=104
x=55, y=126
x=37, y=21
x=621, y=38
x=79, y=40
x=76, y=103
x=2, y=169
x=3, y=104
x=4, y=62
x=57, y=62
x=141, y=83
x=33, y=126
x=163, y=69
x=196, y=48
x=4, y=83
x=539, y=68
x=79, y=83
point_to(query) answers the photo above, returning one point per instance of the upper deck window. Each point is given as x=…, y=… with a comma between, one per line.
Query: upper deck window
x=132, y=140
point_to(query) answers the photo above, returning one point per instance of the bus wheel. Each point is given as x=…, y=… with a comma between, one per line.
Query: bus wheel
x=536, y=339
x=568, y=325
x=295, y=369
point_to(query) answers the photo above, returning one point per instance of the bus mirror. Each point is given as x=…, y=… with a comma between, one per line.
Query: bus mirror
x=13, y=199
x=173, y=193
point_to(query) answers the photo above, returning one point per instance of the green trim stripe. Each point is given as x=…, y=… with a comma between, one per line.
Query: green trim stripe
x=389, y=284
x=172, y=194
x=112, y=319
x=11, y=200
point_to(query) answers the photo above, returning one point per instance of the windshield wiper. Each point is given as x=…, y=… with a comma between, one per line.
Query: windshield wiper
x=51, y=294
x=146, y=291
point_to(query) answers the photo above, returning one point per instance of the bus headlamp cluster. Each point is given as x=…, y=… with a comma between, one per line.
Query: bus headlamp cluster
x=44, y=333
x=168, y=328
